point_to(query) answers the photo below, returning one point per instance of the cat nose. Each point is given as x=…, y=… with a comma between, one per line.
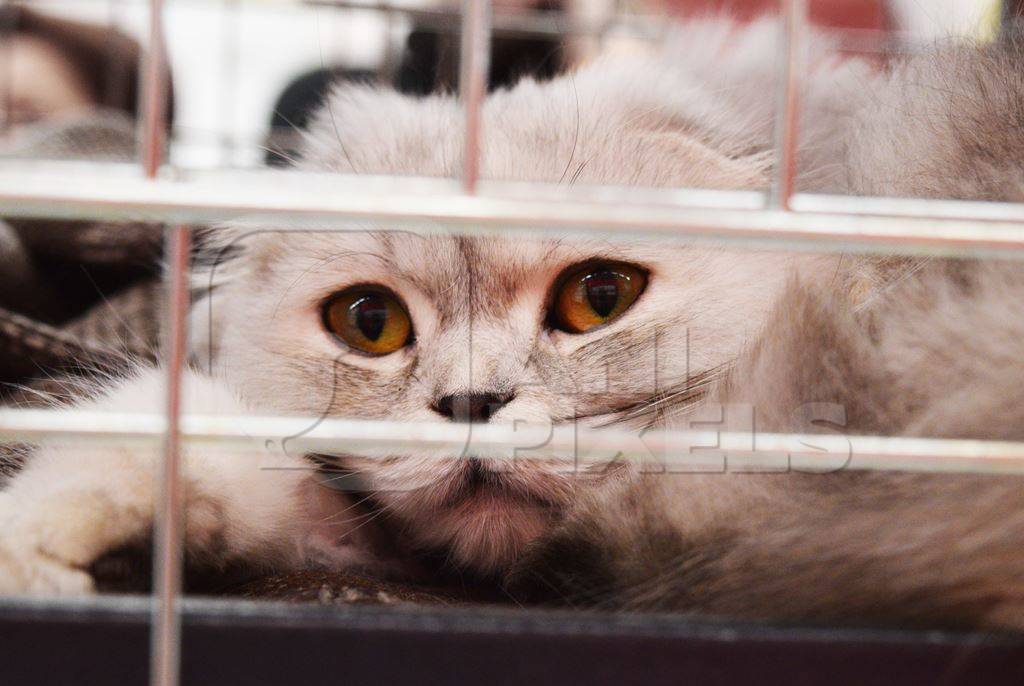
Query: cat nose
x=471, y=407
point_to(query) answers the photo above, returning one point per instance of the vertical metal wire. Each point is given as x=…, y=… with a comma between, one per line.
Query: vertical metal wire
x=154, y=93
x=474, y=60
x=8, y=27
x=167, y=528
x=166, y=633
x=792, y=71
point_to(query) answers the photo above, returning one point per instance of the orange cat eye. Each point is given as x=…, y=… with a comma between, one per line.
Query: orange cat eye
x=595, y=295
x=370, y=320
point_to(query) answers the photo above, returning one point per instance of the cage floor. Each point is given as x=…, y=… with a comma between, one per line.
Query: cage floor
x=105, y=640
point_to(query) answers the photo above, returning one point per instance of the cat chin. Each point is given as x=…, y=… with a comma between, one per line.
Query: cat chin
x=481, y=514
x=486, y=533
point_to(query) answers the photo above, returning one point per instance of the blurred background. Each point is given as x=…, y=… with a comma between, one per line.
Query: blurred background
x=245, y=73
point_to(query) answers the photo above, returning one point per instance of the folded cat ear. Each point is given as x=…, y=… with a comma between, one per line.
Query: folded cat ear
x=631, y=135
x=713, y=83
x=683, y=159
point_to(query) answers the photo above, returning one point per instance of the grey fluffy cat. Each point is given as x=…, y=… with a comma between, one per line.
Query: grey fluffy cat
x=399, y=326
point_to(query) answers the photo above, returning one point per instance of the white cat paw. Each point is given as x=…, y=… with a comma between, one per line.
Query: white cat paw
x=44, y=550
x=29, y=571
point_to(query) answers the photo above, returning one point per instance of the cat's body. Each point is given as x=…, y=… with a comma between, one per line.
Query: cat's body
x=482, y=334
x=836, y=545
x=935, y=353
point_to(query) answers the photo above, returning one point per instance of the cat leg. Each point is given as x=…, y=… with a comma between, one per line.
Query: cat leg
x=72, y=504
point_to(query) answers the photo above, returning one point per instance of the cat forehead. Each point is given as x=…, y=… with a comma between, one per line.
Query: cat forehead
x=601, y=125
x=436, y=264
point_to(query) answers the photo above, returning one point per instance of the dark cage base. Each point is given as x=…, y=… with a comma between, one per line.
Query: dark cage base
x=106, y=641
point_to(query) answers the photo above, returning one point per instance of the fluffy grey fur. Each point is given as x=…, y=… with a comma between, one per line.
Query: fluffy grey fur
x=697, y=114
x=937, y=352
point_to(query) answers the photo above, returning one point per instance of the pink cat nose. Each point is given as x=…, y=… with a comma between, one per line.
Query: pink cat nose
x=471, y=407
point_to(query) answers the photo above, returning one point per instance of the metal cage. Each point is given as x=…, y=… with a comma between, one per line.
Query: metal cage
x=231, y=641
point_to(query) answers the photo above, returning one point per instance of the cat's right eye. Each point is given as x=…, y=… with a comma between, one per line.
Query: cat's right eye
x=595, y=295
x=369, y=319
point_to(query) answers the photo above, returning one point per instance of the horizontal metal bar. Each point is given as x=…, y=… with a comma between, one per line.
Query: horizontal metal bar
x=291, y=200
x=26, y=186
x=912, y=208
x=575, y=445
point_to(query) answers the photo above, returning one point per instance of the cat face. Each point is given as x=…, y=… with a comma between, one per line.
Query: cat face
x=394, y=325
x=484, y=334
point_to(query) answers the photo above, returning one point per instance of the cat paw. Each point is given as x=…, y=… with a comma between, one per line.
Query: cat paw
x=29, y=571
x=46, y=550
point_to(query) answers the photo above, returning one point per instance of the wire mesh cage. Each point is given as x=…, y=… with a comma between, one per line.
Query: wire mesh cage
x=202, y=102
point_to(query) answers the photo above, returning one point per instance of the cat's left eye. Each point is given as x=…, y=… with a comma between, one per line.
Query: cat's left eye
x=370, y=320
x=595, y=295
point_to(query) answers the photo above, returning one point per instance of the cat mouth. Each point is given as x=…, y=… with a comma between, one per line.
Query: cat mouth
x=468, y=481
x=476, y=481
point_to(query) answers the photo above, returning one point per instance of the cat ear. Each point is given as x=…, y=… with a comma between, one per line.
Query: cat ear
x=687, y=161
x=714, y=82
x=670, y=148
